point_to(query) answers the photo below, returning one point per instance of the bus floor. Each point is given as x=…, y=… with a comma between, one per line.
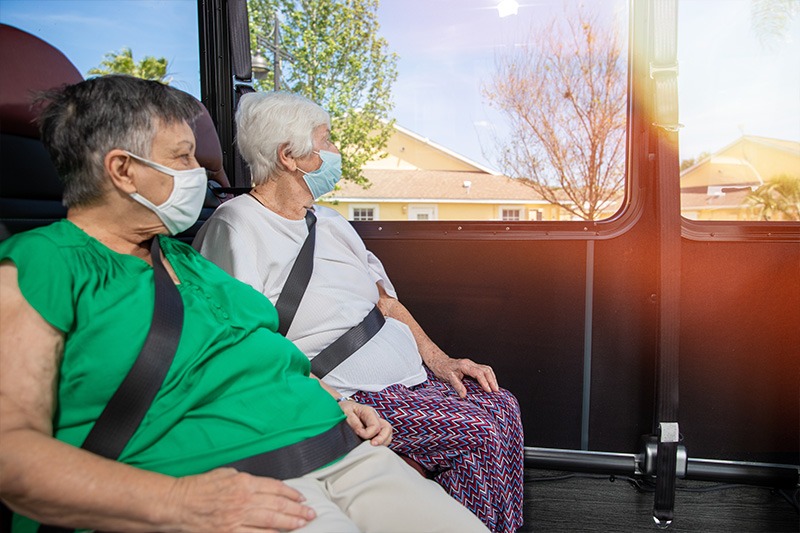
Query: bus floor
x=564, y=501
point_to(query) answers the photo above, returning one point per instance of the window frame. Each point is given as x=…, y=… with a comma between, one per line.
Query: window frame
x=520, y=210
x=432, y=208
x=638, y=163
x=376, y=210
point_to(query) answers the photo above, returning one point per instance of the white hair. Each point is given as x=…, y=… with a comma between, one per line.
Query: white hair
x=266, y=121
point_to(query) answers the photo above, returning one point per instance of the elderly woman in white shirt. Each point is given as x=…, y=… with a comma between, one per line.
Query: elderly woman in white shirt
x=449, y=415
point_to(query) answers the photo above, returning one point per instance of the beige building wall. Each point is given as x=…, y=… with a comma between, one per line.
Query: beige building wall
x=716, y=187
x=408, y=151
x=417, y=176
x=392, y=210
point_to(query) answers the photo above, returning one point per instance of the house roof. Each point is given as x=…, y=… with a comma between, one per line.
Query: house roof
x=438, y=185
x=439, y=148
x=749, y=160
x=724, y=179
x=792, y=147
x=728, y=200
x=719, y=170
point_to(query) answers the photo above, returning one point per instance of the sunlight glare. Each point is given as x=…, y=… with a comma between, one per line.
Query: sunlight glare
x=507, y=7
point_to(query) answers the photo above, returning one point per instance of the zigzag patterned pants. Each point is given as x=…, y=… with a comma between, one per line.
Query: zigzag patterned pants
x=473, y=445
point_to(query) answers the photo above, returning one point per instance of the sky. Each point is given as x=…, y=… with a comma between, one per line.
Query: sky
x=730, y=83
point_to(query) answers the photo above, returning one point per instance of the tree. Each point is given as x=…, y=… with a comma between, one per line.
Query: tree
x=122, y=62
x=564, y=96
x=692, y=161
x=337, y=60
x=777, y=199
x=771, y=19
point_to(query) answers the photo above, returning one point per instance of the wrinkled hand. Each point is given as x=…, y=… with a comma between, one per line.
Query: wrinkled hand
x=225, y=500
x=453, y=371
x=367, y=423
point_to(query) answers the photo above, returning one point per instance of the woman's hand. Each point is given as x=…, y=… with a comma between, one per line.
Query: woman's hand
x=225, y=500
x=367, y=423
x=453, y=371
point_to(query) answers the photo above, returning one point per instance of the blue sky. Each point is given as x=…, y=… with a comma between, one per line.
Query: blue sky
x=86, y=29
x=447, y=47
x=730, y=82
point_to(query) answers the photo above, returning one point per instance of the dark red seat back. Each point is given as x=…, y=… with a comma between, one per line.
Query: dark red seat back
x=30, y=191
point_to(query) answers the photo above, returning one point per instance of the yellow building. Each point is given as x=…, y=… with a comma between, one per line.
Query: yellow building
x=716, y=187
x=420, y=180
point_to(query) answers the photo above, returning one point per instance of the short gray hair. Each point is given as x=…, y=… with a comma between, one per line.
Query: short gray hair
x=81, y=123
x=265, y=121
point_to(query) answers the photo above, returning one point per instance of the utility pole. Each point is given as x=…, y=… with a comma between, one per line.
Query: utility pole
x=260, y=64
x=276, y=54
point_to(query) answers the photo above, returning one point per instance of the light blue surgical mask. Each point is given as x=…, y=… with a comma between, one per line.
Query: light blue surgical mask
x=324, y=179
x=184, y=204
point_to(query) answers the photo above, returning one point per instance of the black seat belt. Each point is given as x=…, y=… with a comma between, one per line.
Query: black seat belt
x=127, y=407
x=663, y=72
x=299, y=276
x=346, y=345
x=289, y=301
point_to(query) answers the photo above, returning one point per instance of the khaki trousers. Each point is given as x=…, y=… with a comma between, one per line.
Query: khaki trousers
x=372, y=490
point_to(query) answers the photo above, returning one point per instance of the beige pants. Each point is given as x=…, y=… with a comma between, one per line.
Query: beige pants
x=372, y=490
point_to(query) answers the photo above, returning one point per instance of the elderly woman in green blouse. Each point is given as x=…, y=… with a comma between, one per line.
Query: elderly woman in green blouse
x=236, y=409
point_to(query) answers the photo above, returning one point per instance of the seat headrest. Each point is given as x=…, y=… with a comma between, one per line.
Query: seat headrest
x=209, y=151
x=30, y=65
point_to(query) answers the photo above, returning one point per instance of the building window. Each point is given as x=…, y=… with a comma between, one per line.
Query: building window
x=459, y=143
x=363, y=213
x=510, y=213
x=739, y=149
x=536, y=214
x=422, y=212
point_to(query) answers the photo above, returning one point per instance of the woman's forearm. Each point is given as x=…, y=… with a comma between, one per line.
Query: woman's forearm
x=56, y=483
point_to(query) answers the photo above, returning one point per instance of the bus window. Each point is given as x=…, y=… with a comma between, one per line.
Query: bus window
x=127, y=36
x=500, y=111
x=739, y=90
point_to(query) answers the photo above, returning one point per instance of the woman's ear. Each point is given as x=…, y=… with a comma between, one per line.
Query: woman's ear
x=119, y=167
x=285, y=158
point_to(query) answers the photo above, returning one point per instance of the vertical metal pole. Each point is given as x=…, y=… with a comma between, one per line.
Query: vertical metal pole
x=216, y=71
x=587, y=344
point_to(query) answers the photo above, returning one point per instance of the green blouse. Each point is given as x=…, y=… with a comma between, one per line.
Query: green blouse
x=236, y=387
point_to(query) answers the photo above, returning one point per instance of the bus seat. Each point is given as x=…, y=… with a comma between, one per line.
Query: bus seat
x=30, y=191
x=209, y=154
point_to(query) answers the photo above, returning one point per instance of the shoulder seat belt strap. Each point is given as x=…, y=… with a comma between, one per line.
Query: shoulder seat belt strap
x=299, y=276
x=127, y=407
x=292, y=294
x=346, y=345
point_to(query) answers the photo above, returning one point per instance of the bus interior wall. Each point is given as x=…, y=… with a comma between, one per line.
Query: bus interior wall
x=519, y=306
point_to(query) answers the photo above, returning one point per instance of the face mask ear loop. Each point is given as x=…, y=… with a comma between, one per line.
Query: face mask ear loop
x=320, y=156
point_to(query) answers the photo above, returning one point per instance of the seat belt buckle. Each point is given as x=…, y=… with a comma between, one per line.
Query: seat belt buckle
x=646, y=461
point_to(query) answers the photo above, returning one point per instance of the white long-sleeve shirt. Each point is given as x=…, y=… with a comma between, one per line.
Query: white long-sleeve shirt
x=259, y=247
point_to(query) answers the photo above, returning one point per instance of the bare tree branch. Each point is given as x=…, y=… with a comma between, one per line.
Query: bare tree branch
x=564, y=96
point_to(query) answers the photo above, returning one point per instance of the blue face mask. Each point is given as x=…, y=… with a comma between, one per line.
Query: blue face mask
x=324, y=179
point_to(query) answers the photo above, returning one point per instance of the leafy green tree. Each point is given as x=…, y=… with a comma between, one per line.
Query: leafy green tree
x=122, y=62
x=331, y=52
x=777, y=199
